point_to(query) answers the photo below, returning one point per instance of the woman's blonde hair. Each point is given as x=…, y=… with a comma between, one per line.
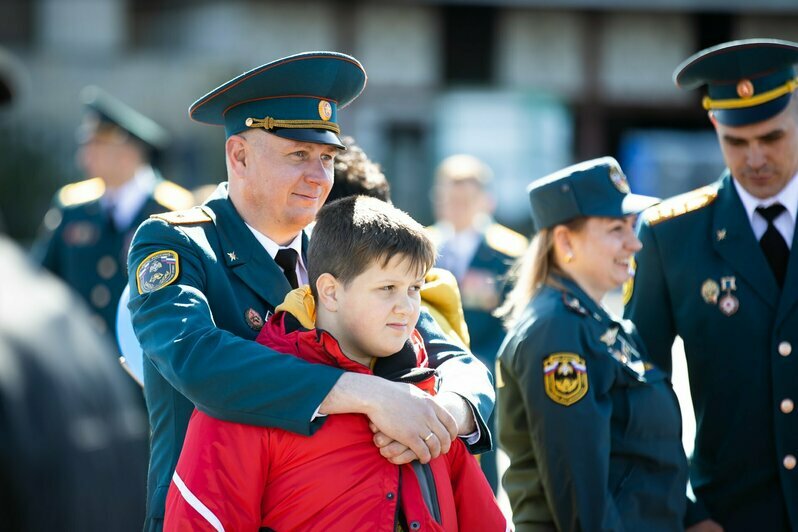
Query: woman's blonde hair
x=531, y=271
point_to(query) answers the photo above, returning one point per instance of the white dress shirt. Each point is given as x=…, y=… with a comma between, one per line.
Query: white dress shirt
x=126, y=202
x=785, y=222
x=273, y=247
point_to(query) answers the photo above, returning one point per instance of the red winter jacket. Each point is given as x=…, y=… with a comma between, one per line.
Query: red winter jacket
x=239, y=477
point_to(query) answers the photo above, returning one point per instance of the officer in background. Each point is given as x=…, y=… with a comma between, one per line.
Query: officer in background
x=719, y=268
x=91, y=223
x=73, y=450
x=479, y=252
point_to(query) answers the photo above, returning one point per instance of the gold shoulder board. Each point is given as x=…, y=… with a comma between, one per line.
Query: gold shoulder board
x=681, y=204
x=191, y=216
x=506, y=240
x=173, y=196
x=81, y=192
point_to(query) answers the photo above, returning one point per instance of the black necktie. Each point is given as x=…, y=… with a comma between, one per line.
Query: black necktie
x=286, y=259
x=773, y=244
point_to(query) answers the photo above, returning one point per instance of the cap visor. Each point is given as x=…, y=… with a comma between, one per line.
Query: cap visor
x=315, y=136
x=636, y=203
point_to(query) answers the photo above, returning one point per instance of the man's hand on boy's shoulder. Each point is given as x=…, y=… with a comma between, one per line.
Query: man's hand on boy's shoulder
x=398, y=453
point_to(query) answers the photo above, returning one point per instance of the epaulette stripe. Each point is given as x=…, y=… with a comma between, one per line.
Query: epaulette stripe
x=173, y=196
x=81, y=192
x=190, y=216
x=681, y=204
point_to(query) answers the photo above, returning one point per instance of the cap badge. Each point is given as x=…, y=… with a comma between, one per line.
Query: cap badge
x=619, y=180
x=745, y=89
x=325, y=110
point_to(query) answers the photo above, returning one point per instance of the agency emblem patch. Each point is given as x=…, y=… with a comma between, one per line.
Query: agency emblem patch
x=565, y=378
x=159, y=269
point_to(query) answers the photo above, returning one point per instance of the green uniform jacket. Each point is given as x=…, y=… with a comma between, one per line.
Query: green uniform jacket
x=83, y=247
x=702, y=275
x=593, y=433
x=198, y=335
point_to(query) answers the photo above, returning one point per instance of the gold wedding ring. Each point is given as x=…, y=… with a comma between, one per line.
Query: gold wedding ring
x=430, y=435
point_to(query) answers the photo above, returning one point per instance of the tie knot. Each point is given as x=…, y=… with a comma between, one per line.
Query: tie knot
x=772, y=212
x=286, y=258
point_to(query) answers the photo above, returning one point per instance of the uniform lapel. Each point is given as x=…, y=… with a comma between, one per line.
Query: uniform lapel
x=244, y=255
x=789, y=292
x=734, y=240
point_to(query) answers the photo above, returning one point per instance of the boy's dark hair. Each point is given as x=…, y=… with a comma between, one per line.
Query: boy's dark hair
x=356, y=174
x=352, y=233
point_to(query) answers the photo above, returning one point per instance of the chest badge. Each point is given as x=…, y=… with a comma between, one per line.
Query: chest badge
x=710, y=291
x=728, y=304
x=610, y=336
x=720, y=234
x=565, y=378
x=232, y=256
x=254, y=320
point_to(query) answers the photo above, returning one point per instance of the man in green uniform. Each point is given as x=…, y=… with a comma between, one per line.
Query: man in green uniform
x=719, y=268
x=479, y=252
x=203, y=281
x=90, y=224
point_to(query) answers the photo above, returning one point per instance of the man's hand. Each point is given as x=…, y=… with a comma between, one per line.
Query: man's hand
x=400, y=412
x=707, y=525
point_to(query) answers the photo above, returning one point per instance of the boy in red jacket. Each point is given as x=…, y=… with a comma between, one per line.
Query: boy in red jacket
x=369, y=259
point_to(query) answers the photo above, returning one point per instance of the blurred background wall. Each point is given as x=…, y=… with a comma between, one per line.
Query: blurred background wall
x=527, y=85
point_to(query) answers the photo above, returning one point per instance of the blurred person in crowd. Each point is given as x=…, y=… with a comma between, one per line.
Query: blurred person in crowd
x=87, y=231
x=204, y=281
x=479, y=252
x=73, y=452
x=367, y=264
x=593, y=431
x=717, y=269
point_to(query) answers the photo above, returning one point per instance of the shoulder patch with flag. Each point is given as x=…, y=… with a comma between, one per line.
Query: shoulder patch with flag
x=159, y=269
x=565, y=378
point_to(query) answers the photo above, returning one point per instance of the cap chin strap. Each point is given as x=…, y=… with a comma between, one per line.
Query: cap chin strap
x=759, y=99
x=272, y=123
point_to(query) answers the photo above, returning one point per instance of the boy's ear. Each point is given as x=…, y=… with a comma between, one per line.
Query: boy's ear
x=327, y=289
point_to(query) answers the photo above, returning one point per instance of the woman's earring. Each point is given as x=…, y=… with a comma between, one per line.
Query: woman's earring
x=569, y=258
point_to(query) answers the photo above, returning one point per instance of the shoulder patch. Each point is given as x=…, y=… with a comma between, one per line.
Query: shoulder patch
x=565, y=378
x=173, y=196
x=81, y=192
x=157, y=270
x=506, y=240
x=681, y=204
x=194, y=215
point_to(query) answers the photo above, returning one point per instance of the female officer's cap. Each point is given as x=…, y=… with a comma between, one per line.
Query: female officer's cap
x=747, y=81
x=593, y=188
x=296, y=97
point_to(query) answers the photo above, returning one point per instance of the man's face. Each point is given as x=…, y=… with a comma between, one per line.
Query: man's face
x=459, y=202
x=111, y=155
x=762, y=157
x=285, y=183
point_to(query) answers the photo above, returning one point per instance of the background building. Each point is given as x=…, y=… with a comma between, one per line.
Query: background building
x=527, y=85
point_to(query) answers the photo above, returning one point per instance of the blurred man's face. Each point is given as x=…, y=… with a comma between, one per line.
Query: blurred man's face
x=762, y=157
x=111, y=155
x=460, y=203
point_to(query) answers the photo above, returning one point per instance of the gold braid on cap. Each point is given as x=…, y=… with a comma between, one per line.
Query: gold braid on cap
x=759, y=99
x=271, y=123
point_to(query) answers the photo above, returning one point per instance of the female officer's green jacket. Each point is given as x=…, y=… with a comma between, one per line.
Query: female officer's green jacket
x=593, y=432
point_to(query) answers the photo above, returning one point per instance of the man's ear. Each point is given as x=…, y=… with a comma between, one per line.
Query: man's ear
x=236, y=148
x=327, y=288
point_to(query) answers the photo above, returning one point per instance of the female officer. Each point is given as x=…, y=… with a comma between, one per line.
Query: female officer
x=593, y=432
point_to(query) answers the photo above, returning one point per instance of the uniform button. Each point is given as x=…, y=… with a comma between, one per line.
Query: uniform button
x=106, y=267
x=415, y=525
x=389, y=496
x=787, y=406
x=785, y=348
x=789, y=462
x=100, y=296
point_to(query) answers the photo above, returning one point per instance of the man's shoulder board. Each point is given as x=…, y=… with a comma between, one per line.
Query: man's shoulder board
x=81, y=192
x=681, y=204
x=173, y=196
x=194, y=215
x=505, y=240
